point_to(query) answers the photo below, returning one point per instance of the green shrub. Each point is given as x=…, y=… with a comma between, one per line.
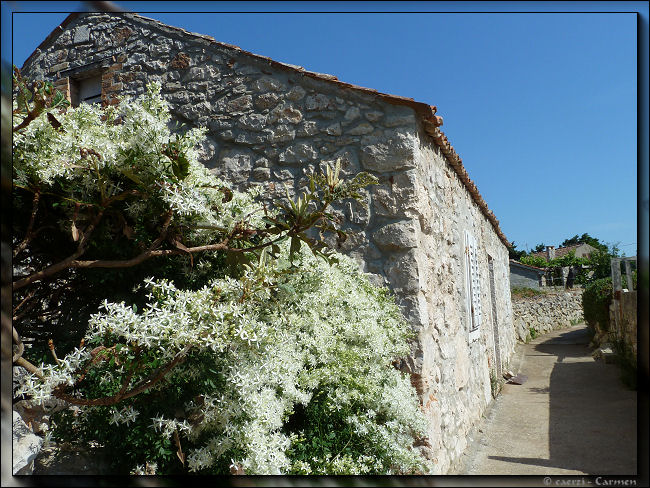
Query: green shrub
x=627, y=362
x=595, y=303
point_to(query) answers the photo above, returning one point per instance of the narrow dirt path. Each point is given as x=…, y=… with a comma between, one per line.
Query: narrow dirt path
x=573, y=415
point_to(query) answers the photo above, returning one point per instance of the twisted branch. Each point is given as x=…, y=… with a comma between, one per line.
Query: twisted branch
x=60, y=391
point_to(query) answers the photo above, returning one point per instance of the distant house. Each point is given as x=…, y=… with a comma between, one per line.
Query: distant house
x=556, y=277
x=525, y=276
x=581, y=251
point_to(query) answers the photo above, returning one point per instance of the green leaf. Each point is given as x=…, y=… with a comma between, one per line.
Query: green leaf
x=180, y=167
x=58, y=98
x=130, y=175
x=294, y=247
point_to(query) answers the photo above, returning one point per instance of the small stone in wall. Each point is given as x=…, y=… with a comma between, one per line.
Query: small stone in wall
x=207, y=148
x=240, y=104
x=255, y=122
x=374, y=116
x=317, y=102
x=81, y=34
x=235, y=164
x=281, y=133
x=227, y=135
x=285, y=113
x=26, y=446
x=334, y=129
x=361, y=129
x=352, y=113
x=266, y=84
x=247, y=138
x=196, y=73
x=261, y=174
x=327, y=148
x=297, y=154
x=403, y=273
x=395, y=153
x=296, y=93
x=282, y=175
x=328, y=114
x=399, y=120
x=266, y=101
x=344, y=141
x=397, y=235
x=246, y=70
x=180, y=61
x=262, y=163
x=307, y=128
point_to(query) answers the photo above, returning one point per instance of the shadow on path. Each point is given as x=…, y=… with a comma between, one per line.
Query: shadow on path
x=592, y=415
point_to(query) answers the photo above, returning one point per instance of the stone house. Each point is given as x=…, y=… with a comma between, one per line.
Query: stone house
x=581, y=250
x=525, y=276
x=425, y=231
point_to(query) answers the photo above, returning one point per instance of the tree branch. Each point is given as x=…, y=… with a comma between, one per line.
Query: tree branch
x=60, y=266
x=151, y=252
x=49, y=271
x=32, y=115
x=144, y=385
x=29, y=295
x=21, y=361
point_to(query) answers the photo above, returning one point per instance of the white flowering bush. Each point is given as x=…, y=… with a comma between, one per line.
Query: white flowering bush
x=125, y=157
x=276, y=361
x=297, y=378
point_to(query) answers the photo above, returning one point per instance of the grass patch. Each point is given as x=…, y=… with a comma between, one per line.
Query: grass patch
x=526, y=292
x=495, y=384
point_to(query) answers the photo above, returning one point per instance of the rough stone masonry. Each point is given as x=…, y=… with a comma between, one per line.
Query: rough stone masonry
x=548, y=311
x=270, y=124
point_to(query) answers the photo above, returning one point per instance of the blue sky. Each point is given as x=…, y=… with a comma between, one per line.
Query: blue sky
x=541, y=107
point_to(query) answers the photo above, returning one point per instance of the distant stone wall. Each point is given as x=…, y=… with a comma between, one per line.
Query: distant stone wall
x=546, y=312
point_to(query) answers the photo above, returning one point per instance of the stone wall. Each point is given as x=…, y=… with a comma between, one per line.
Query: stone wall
x=270, y=125
x=454, y=371
x=548, y=311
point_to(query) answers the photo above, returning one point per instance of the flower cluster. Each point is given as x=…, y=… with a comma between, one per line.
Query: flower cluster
x=100, y=152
